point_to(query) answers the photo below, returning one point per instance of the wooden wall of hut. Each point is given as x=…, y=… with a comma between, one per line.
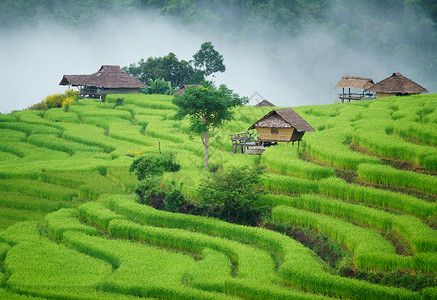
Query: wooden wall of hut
x=119, y=91
x=383, y=95
x=297, y=135
x=275, y=134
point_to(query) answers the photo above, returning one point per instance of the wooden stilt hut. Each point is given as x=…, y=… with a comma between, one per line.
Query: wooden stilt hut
x=355, y=82
x=281, y=125
x=107, y=80
x=396, y=85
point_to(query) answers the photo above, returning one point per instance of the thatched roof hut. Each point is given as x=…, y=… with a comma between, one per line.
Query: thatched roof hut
x=396, y=85
x=182, y=89
x=354, y=82
x=281, y=125
x=265, y=103
x=107, y=80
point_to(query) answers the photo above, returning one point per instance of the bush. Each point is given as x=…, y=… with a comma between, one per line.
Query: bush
x=64, y=100
x=150, y=192
x=156, y=164
x=231, y=195
x=174, y=199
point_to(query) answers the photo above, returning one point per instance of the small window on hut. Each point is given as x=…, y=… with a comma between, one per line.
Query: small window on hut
x=274, y=130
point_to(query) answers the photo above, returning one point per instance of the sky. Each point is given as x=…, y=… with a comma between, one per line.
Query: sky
x=34, y=59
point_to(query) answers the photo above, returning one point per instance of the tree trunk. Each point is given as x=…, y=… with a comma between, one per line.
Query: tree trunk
x=206, y=144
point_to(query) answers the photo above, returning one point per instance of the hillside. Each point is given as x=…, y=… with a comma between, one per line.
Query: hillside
x=401, y=31
x=353, y=210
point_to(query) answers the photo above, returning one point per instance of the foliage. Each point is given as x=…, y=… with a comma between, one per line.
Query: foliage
x=167, y=68
x=208, y=108
x=154, y=165
x=157, y=86
x=150, y=192
x=174, y=199
x=286, y=161
x=202, y=257
x=387, y=175
x=64, y=100
x=232, y=195
x=209, y=60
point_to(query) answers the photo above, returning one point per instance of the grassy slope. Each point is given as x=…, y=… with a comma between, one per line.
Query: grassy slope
x=53, y=162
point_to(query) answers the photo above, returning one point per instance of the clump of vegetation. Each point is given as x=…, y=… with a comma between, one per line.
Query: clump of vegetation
x=149, y=170
x=154, y=165
x=158, y=86
x=64, y=100
x=232, y=195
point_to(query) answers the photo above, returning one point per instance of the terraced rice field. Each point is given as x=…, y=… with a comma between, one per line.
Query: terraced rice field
x=365, y=180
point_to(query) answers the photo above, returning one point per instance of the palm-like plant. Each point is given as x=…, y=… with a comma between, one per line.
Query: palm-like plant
x=158, y=86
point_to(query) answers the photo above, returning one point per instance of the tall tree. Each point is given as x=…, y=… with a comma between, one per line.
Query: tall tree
x=208, y=108
x=168, y=67
x=208, y=59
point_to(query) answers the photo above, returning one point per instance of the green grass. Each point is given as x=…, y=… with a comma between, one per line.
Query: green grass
x=386, y=175
x=66, y=200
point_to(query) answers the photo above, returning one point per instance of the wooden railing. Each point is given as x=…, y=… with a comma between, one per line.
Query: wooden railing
x=242, y=141
x=355, y=96
x=90, y=93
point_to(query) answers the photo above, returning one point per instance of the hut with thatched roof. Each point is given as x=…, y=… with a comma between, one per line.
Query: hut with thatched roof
x=265, y=103
x=108, y=79
x=355, y=82
x=396, y=85
x=281, y=125
x=182, y=89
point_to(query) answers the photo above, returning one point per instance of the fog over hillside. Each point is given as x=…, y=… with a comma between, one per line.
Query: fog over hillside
x=301, y=70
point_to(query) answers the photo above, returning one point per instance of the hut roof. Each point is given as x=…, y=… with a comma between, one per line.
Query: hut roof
x=354, y=82
x=106, y=77
x=283, y=118
x=397, y=83
x=183, y=88
x=265, y=103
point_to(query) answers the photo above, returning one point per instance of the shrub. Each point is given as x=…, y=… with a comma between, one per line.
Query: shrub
x=64, y=100
x=174, y=199
x=230, y=195
x=150, y=192
x=156, y=164
x=68, y=102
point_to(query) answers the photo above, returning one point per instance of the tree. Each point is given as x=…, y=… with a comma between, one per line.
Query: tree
x=208, y=59
x=168, y=68
x=208, y=107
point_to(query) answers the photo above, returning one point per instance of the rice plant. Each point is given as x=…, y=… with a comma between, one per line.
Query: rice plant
x=387, y=175
x=58, y=144
x=331, y=147
x=285, y=160
x=338, y=188
x=64, y=220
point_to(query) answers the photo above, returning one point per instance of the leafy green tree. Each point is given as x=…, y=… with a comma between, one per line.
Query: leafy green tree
x=158, y=86
x=232, y=195
x=208, y=59
x=168, y=68
x=208, y=108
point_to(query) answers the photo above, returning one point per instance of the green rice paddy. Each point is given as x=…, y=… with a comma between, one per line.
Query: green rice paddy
x=70, y=227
